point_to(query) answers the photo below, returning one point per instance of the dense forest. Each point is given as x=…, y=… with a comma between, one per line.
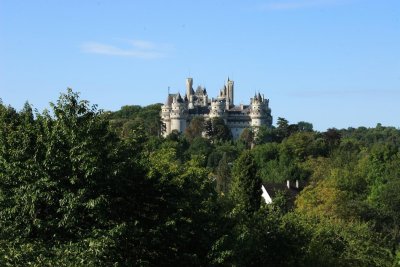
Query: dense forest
x=83, y=187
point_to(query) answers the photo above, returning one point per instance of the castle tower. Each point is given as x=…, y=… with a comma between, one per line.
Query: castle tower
x=165, y=118
x=260, y=113
x=205, y=99
x=178, y=115
x=217, y=109
x=165, y=115
x=190, y=92
x=230, y=92
x=189, y=87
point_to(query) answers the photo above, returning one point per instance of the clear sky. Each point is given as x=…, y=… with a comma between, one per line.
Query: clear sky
x=334, y=63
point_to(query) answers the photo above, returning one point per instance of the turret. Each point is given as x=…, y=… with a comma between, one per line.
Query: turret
x=165, y=116
x=178, y=115
x=166, y=120
x=217, y=109
x=230, y=92
x=205, y=98
x=260, y=113
x=189, y=87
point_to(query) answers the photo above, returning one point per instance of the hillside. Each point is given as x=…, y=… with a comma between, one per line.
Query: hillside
x=81, y=187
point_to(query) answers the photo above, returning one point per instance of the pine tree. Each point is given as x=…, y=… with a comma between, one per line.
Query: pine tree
x=223, y=173
x=246, y=185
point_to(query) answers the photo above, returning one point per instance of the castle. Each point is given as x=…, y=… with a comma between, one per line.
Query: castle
x=177, y=112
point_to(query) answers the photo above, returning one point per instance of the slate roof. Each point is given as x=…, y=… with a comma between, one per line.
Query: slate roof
x=170, y=98
x=291, y=193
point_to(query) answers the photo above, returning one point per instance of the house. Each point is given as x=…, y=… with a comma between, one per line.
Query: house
x=290, y=190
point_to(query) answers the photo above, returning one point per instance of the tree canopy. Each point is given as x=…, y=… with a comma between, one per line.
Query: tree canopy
x=83, y=187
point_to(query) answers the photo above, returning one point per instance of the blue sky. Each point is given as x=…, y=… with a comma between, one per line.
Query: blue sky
x=334, y=63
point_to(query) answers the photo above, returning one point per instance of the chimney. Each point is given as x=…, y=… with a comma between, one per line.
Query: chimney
x=288, y=184
x=297, y=184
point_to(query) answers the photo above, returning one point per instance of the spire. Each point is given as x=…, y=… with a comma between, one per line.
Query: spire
x=169, y=100
x=179, y=98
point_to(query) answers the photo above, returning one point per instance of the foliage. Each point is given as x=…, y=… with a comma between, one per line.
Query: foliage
x=130, y=117
x=246, y=185
x=66, y=180
x=247, y=138
x=80, y=187
x=216, y=130
x=195, y=128
x=223, y=175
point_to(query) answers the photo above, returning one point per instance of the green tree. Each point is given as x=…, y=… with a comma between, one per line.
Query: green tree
x=246, y=185
x=71, y=192
x=304, y=126
x=247, y=138
x=332, y=138
x=283, y=128
x=199, y=146
x=129, y=117
x=195, y=128
x=185, y=213
x=223, y=173
x=266, y=135
x=217, y=130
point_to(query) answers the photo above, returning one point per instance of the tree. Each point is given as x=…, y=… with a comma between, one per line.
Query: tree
x=246, y=185
x=132, y=116
x=301, y=145
x=198, y=146
x=195, y=128
x=386, y=199
x=230, y=150
x=185, y=213
x=71, y=192
x=282, y=123
x=217, y=130
x=223, y=173
x=282, y=129
x=304, y=126
x=266, y=135
x=79, y=187
x=247, y=138
x=332, y=138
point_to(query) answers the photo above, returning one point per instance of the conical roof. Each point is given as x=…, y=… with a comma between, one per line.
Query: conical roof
x=179, y=98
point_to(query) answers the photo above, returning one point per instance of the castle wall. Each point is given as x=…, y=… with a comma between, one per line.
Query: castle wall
x=257, y=122
x=237, y=123
x=178, y=124
x=237, y=132
x=167, y=127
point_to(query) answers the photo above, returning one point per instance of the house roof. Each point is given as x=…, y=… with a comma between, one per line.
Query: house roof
x=273, y=189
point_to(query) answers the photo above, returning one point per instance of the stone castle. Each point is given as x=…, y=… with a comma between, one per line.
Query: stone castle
x=178, y=111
